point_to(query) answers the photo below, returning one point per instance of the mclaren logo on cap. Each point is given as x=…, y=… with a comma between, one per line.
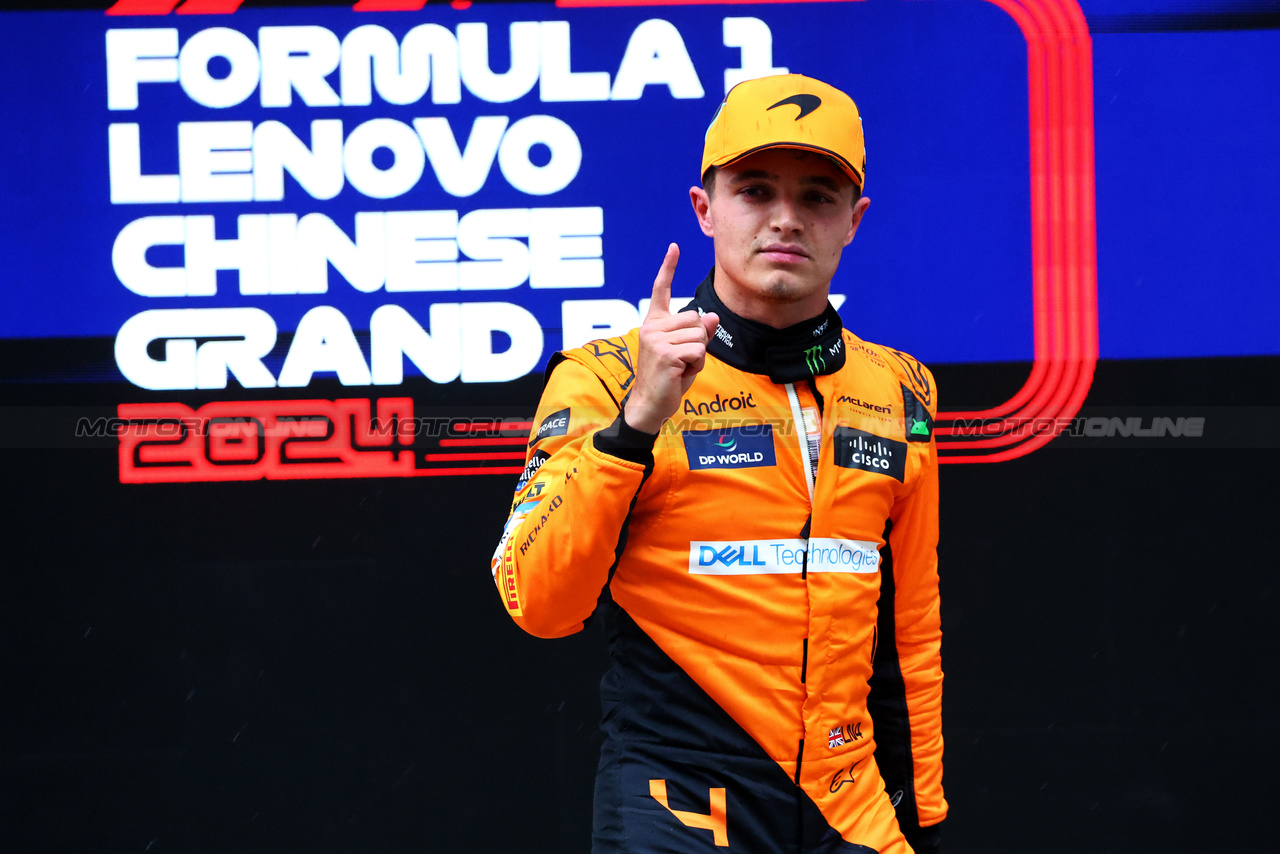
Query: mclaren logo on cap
x=806, y=103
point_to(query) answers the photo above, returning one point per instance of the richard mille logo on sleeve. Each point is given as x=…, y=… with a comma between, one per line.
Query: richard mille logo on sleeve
x=858, y=449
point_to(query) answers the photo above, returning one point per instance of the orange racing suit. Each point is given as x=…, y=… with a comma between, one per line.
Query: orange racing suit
x=766, y=570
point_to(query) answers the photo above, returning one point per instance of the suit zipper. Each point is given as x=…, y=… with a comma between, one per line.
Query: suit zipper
x=802, y=437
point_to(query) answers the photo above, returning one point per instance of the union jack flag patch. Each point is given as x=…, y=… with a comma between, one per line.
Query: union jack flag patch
x=835, y=738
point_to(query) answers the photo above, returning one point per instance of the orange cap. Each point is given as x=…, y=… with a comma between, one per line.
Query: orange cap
x=787, y=111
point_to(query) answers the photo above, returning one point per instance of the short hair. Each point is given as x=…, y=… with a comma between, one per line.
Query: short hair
x=709, y=180
x=709, y=184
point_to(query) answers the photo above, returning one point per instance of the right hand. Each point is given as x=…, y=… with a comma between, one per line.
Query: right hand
x=673, y=348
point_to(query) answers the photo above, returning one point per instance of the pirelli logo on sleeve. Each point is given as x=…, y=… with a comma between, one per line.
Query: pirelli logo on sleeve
x=502, y=565
x=506, y=579
x=858, y=449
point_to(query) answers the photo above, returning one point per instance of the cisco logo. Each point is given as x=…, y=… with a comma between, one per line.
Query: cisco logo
x=858, y=449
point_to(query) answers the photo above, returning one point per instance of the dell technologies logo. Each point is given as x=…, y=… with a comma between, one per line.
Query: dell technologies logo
x=782, y=556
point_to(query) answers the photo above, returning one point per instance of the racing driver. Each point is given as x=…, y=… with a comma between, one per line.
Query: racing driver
x=746, y=494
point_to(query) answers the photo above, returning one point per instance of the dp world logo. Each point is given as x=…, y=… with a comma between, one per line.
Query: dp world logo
x=742, y=447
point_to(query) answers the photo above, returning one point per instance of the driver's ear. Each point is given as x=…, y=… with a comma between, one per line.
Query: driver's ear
x=859, y=208
x=701, y=201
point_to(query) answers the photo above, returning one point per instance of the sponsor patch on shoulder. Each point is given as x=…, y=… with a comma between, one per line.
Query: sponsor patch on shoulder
x=918, y=421
x=531, y=468
x=858, y=449
x=555, y=424
x=748, y=446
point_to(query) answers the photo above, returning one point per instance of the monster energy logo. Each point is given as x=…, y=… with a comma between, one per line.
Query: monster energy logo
x=814, y=360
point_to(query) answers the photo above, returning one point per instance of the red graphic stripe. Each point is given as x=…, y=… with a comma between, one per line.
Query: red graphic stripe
x=454, y=443
x=209, y=7
x=483, y=426
x=389, y=5
x=142, y=7
x=570, y=4
x=231, y=440
x=468, y=470
x=1064, y=242
x=457, y=457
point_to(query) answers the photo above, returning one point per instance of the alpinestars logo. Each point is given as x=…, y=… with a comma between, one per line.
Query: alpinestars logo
x=858, y=449
x=615, y=349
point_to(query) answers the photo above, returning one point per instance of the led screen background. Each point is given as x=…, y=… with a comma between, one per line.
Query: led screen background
x=947, y=122
x=942, y=269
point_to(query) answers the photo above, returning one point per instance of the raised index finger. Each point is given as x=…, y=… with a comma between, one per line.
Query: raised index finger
x=660, y=302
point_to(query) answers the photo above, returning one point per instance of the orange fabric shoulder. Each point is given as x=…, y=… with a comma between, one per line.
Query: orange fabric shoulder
x=612, y=360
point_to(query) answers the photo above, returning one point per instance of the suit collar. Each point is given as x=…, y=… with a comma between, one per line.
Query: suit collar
x=793, y=354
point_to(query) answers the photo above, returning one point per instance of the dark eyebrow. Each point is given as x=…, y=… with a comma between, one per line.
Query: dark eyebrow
x=754, y=175
x=822, y=181
x=760, y=174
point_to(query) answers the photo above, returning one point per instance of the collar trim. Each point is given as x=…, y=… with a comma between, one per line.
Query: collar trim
x=806, y=349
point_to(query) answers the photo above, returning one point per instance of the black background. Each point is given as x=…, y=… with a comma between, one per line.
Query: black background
x=324, y=666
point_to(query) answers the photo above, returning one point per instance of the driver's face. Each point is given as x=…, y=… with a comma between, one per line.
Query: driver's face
x=780, y=219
